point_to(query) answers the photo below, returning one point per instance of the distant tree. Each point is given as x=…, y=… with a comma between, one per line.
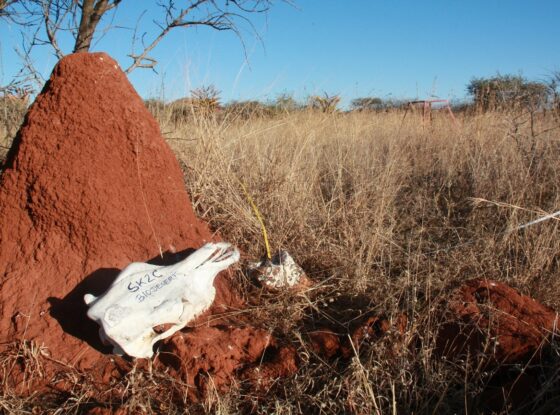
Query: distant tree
x=553, y=85
x=155, y=106
x=13, y=107
x=246, y=110
x=286, y=103
x=506, y=92
x=366, y=104
x=462, y=106
x=205, y=100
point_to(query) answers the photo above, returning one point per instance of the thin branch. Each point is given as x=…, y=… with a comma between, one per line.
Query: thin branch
x=6, y=10
x=213, y=16
x=51, y=28
x=110, y=26
x=28, y=72
x=139, y=60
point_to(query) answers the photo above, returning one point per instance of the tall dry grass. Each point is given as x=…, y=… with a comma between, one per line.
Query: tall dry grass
x=384, y=213
x=374, y=198
x=12, y=111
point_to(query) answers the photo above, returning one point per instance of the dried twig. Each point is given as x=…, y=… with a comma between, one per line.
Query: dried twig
x=206, y=13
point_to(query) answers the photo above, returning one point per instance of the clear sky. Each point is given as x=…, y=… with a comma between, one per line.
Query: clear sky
x=356, y=48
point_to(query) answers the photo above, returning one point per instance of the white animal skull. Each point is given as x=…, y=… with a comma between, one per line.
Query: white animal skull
x=144, y=296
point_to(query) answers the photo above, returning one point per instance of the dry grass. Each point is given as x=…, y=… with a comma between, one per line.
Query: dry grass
x=378, y=204
x=384, y=214
x=11, y=115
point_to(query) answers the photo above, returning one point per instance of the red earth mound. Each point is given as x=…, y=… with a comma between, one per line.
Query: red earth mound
x=491, y=320
x=90, y=186
x=222, y=353
x=490, y=325
x=325, y=342
x=328, y=344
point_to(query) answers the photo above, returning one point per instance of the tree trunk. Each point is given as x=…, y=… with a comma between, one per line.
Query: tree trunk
x=92, y=11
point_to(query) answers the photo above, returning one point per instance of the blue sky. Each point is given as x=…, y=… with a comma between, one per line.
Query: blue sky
x=391, y=48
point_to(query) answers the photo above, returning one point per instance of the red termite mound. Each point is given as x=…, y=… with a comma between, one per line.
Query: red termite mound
x=90, y=186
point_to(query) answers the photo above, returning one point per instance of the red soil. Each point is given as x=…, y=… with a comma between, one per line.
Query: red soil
x=219, y=353
x=91, y=186
x=498, y=329
x=325, y=343
x=491, y=320
x=280, y=363
x=372, y=330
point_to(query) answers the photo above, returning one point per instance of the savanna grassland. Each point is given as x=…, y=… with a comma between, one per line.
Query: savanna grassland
x=385, y=213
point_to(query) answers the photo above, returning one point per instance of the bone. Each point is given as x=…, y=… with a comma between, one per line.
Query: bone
x=145, y=296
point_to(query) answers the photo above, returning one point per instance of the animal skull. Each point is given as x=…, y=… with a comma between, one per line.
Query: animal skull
x=145, y=296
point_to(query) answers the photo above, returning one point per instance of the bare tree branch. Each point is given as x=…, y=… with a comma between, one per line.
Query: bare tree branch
x=6, y=10
x=52, y=26
x=80, y=19
x=207, y=13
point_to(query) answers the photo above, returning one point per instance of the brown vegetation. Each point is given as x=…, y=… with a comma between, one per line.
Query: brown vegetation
x=384, y=214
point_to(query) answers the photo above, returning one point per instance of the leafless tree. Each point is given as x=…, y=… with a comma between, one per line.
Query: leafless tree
x=45, y=22
x=226, y=15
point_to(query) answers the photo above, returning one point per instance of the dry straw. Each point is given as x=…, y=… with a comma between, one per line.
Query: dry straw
x=360, y=199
